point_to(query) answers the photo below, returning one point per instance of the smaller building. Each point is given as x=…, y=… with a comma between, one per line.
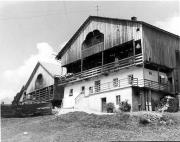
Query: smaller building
x=41, y=87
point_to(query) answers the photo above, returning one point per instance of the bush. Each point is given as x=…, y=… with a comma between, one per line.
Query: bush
x=124, y=106
x=168, y=104
x=143, y=121
x=110, y=107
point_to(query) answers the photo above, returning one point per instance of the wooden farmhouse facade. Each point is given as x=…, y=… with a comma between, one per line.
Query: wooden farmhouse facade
x=112, y=60
x=41, y=87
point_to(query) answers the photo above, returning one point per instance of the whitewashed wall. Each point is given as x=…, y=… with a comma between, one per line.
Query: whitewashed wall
x=94, y=102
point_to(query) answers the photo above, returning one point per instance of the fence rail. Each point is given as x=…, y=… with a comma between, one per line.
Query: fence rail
x=105, y=69
x=44, y=94
x=154, y=85
x=127, y=82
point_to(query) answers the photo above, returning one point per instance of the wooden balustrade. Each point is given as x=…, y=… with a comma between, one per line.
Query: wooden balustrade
x=154, y=85
x=44, y=94
x=105, y=69
x=126, y=82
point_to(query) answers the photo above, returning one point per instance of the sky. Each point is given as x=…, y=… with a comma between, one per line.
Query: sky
x=36, y=31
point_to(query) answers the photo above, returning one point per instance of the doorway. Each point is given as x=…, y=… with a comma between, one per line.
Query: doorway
x=103, y=104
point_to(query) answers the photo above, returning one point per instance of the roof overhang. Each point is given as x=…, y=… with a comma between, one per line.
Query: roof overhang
x=107, y=19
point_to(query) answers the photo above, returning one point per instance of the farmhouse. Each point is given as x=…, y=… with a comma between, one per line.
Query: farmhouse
x=41, y=87
x=112, y=60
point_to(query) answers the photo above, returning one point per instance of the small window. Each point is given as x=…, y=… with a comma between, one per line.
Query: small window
x=115, y=82
x=97, y=86
x=162, y=79
x=150, y=73
x=90, y=90
x=118, y=99
x=83, y=90
x=71, y=92
x=130, y=78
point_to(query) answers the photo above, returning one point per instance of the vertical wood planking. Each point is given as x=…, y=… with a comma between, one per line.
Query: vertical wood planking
x=160, y=47
x=114, y=33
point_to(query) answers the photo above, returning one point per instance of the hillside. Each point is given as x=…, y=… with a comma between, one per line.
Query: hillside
x=80, y=126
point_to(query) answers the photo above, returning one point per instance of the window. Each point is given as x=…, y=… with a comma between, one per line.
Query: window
x=130, y=79
x=115, y=82
x=97, y=86
x=118, y=99
x=162, y=79
x=83, y=90
x=71, y=92
x=150, y=73
x=90, y=90
x=93, y=38
x=39, y=82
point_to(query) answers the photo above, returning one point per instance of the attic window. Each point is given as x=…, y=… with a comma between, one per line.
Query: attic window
x=39, y=81
x=93, y=38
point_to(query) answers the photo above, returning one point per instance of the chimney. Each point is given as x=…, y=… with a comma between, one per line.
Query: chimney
x=134, y=18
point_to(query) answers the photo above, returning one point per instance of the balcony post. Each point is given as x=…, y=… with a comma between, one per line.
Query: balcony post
x=81, y=63
x=134, y=51
x=81, y=58
x=102, y=54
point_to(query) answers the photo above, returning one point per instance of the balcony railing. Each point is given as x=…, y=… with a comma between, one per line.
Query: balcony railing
x=79, y=97
x=127, y=82
x=44, y=94
x=105, y=69
x=93, y=49
x=155, y=85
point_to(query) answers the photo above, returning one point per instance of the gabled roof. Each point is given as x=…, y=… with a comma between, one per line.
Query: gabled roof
x=91, y=18
x=51, y=69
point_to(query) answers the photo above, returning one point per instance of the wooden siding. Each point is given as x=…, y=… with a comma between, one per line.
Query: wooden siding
x=114, y=33
x=93, y=50
x=47, y=80
x=159, y=46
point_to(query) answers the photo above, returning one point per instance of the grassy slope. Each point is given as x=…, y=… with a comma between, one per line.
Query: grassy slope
x=83, y=127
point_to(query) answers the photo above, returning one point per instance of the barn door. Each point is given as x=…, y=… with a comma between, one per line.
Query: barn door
x=145, y=100
x=148, y=100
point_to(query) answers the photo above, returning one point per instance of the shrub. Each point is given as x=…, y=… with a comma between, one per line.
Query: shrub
x=110, y=107
x=169, y=104
x=124, y=106
x=143, y=121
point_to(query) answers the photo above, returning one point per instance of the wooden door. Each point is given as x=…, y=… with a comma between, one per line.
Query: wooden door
x=103, y=104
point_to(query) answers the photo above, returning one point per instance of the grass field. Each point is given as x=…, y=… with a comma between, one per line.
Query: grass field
x=81, y=127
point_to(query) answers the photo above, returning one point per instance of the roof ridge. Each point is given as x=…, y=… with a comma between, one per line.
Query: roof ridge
x=107, y=18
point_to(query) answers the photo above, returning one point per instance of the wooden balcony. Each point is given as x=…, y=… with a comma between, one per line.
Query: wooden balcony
x=92, y=49
x=44, y=94
x=165, y=87
x=126, y=82
x=105, y=69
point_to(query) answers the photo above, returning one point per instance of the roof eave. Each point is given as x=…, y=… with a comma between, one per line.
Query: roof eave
x=105, y=18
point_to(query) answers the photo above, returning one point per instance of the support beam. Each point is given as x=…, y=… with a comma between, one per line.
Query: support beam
x=134, y=52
